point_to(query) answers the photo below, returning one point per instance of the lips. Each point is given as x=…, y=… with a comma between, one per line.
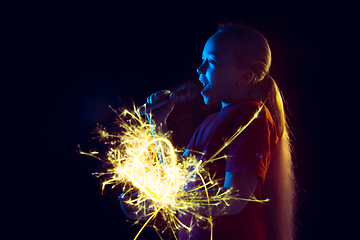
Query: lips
x=205, y=88
x=205, y=83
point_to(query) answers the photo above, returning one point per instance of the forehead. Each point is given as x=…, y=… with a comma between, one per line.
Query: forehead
x=220, y=44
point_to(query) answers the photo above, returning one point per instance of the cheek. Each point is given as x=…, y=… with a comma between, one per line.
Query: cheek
x=225, y=77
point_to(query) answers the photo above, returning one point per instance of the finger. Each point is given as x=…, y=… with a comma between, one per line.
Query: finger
x=160, y=93
x=152, y=96
x=157, y=95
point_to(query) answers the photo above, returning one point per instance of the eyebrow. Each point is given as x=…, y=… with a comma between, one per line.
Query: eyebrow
x=211, y=54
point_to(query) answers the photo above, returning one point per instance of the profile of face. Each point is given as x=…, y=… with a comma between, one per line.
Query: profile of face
x=220, y=72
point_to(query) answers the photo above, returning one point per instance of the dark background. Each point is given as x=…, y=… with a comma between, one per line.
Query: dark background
x=81, y=58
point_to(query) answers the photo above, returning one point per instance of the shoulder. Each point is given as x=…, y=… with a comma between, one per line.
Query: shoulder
x=248, y=110
x=259, y=117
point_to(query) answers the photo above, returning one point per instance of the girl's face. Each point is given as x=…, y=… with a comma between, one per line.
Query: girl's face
x=222, y=79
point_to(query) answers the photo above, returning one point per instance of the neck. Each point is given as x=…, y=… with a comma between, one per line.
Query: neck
x=238, y=98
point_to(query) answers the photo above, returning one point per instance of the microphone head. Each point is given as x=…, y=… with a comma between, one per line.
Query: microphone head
x=186, y=92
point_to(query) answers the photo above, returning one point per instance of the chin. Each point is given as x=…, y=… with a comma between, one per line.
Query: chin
x=205, y=98
x=208, y=100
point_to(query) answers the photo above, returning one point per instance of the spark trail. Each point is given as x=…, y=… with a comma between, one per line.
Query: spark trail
x=145, y=162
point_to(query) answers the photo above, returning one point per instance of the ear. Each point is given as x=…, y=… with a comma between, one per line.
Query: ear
x=247, y=76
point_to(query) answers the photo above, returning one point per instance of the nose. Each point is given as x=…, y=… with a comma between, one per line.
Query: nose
x=201, y=69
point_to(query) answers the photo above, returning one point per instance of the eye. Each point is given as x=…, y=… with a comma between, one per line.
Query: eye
x=212, y=61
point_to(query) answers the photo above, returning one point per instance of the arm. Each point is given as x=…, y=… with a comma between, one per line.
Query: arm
x=244, y=185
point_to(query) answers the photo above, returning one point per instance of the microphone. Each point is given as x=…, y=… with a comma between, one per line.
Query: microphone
x=184, y=93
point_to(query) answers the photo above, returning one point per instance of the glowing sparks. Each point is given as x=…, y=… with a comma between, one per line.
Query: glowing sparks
x=145, y=186
x=143, y=160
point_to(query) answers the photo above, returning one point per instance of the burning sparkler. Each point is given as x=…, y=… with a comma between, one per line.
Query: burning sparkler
x=144, y=161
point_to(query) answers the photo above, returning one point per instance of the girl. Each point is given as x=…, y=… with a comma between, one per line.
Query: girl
x=235, y=72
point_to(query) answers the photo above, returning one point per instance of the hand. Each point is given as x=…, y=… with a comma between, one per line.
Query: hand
x=160, y=115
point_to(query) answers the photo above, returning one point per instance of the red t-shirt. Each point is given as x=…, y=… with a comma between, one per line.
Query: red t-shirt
x=250, y=152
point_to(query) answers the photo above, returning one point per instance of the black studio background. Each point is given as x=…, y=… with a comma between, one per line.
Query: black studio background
x=79, y=58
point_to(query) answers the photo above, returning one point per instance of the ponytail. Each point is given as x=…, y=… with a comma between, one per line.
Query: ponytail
x=268, y=91
x=279, y=184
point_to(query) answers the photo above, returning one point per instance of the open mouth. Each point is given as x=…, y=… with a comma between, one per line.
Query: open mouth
x=205, y=85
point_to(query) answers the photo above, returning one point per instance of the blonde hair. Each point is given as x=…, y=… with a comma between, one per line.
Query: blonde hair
x=279, y=185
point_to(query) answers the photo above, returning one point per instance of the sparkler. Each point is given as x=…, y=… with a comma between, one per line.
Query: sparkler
x=143, y=160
